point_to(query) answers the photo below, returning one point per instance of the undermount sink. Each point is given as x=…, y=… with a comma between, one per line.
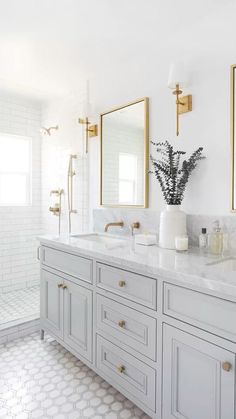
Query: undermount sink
x=228, y=265
x=108, y=241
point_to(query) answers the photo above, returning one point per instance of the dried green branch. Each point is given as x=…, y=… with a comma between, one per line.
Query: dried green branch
x=172, y=177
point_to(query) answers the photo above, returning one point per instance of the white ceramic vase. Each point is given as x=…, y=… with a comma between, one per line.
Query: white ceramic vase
x=172, y=224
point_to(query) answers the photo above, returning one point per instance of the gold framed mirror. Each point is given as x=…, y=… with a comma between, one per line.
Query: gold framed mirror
x=232, y=135
x=125, y=155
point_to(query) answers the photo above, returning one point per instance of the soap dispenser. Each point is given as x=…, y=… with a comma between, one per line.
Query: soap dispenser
x=215, y=244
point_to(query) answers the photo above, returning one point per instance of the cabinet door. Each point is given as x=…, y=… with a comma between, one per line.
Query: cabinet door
x=78, y=319
x=51, y=303
x=196, y=384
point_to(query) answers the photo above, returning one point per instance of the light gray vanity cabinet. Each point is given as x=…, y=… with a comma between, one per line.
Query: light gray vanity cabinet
x=128, y=326
x=198, y=378
x=73, y=265
x=66, y=312
x=51, y=315
x=78, y=319
x=138, y=288
x=166, y=345
x=126, y=371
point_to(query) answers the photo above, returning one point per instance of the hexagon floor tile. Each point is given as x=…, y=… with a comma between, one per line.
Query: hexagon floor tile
x=41, y=379
x=16, y=305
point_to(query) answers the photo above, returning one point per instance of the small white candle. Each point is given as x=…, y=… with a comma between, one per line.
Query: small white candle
x=181, y=243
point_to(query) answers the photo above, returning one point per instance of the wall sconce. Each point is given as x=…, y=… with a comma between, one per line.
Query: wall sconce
x=90, y=130
x=177, y=81
x=47, y=131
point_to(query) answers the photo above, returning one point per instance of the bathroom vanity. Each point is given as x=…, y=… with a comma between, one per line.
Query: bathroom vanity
x=157, y=325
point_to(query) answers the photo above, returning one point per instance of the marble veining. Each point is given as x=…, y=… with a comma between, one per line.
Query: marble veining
x=190, y=267
x=149, y=222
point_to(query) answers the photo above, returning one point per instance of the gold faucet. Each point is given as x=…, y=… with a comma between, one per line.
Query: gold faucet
x=116, y=224
x=134, y=225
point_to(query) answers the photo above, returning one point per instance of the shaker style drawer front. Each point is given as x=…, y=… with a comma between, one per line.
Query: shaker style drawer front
x=132, y=328
x=134, y=376
x=200, y=310
x=73, y=265
x=141, y=289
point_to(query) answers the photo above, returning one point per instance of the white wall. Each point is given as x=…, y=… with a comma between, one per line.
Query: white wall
x=19, y=226
x=131, y=60
x=207, y=125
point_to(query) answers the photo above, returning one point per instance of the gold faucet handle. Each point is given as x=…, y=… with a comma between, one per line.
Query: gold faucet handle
x=55, y=210
x=135, y=225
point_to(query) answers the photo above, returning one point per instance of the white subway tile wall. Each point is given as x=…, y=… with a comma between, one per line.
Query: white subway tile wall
x=19, y=226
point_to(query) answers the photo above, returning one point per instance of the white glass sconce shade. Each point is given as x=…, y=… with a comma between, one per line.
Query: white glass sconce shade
x=177, y=75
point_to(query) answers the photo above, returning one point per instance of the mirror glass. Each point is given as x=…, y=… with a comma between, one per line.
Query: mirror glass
x=233, y=139
x=124, y=155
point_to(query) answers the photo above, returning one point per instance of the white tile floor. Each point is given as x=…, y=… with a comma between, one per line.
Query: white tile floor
x=19, y=304
x=41, y=379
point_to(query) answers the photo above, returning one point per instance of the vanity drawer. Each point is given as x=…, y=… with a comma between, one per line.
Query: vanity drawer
x=129, y=326
x=141, y=289
x=128, y=372
x=73, y=265
x=201, y=310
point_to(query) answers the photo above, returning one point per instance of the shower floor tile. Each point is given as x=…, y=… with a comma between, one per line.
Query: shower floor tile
x=41, y=379
x=18, y=305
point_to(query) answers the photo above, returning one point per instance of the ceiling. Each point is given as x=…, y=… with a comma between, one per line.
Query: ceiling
x=47, y=46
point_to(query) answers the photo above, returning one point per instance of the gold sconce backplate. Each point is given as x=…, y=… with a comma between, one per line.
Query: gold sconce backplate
x=185, y=104
x=93, y=131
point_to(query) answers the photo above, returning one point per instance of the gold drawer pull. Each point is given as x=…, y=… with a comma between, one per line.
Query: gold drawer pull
x=121, y=323
x=121, y=284
x=64, y=287
x=226, y=366
x=60, y=285
x=121, y=369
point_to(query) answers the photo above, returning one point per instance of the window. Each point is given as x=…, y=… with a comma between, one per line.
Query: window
x=15, y=170
x=127, y=178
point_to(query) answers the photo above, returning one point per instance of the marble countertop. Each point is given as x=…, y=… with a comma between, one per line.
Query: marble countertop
x=189, y=267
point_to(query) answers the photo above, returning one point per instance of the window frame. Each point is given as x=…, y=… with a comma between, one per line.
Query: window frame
x=27, y=174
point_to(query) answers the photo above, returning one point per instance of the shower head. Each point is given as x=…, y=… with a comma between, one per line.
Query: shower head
x=47, y=131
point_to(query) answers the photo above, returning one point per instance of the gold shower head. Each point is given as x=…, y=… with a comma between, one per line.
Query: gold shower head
x=47, y=131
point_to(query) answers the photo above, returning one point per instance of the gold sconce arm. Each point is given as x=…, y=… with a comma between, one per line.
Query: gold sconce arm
x=183, y=105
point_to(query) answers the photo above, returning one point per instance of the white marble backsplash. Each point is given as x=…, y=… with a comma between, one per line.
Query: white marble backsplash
x=149, y=222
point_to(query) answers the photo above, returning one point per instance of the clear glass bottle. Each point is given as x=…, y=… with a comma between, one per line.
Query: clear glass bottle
x=215, y=240
x=203, y=242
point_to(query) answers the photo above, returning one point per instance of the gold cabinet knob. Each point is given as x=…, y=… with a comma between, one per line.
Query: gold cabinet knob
x=64, y=287
x=121, y=323
x=60, y=285
x=121, y=284
x=121, y=369
x=226, y=366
